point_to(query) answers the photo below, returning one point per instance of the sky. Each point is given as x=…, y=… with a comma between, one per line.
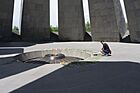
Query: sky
x=53, y=12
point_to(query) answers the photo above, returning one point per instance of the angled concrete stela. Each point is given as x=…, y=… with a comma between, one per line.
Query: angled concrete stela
x=103, y=20
x=35, y=22
x=71, y=20
x=6, y=15
x=133, y=14
x=106, y=17
x=120, y=19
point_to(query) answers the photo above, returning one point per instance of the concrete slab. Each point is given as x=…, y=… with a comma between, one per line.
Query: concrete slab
x=97, y=76
x=120, y=51
x=89, y=78
x=71, y=20
x=6, y=15
x=35, y=24
x=104, y=24
x=26, y=77
x=9, y=67
x=133, y=14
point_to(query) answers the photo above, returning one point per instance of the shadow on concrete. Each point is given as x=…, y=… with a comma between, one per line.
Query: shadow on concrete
x=126, y=39
x=87, y=37
x=9, y=66
x=14, y=41
x=6, y=51
x=16, y=38
x=13, y=38
x=54, y=37
x=16, y=44
x=99, y=77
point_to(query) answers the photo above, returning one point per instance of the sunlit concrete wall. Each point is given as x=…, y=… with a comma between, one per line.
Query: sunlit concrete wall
x=71, y=20
x=6, y=16
x=122, y=27
x=133, y=15
x=103, y=20
x=36, y=20
x=107, y=20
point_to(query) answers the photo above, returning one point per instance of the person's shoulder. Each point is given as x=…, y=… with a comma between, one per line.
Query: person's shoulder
x=105, y=44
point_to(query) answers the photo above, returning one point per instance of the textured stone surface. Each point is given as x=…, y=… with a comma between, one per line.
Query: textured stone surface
x=98, y=77
x=120, y=19
x=71, y=20
x=103, y=20
x=35, y=23
x=6, y=15
x=133, y=14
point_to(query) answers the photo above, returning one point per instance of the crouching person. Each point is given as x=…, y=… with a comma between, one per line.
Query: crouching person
x=105, y=49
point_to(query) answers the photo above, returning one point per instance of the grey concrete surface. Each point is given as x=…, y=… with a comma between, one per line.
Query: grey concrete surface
x=107, y=21
x=120, y=19
x=9, y=67
x=118, y=73
x=6, y=16
x=71, y=20
x=36, y=21
x=133, y=14
x=26, y=77
x=16, y=44
x=103, y=20
x=6, y=51
x=120, y=51
x=69, y=53
x=89, y=78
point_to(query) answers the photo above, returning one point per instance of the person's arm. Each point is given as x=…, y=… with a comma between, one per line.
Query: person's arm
x=110, y=51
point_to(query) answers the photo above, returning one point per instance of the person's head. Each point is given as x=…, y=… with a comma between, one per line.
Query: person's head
x=101, y=42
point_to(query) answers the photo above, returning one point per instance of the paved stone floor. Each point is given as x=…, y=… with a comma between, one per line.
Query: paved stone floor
x=118, y=73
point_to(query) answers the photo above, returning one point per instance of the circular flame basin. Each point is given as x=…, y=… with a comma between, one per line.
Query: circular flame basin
x=52, y=57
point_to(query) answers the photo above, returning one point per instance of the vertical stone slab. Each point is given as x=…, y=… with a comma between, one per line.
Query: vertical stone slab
x=133, y=15
x=36, y=20
x=103, y=20
x=71, y=20
x=120, y=19
x=6, y=16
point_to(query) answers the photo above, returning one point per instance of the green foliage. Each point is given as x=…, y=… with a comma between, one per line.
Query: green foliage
x=15, y=30
x=54, y=29
x=88, y=27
